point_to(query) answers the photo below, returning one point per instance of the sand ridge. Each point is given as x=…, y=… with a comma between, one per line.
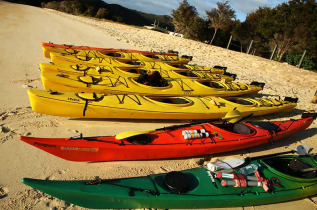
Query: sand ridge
x=24, y=28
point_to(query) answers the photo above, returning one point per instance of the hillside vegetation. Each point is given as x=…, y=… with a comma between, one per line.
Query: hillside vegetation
x=100, y=9
x=290, y=28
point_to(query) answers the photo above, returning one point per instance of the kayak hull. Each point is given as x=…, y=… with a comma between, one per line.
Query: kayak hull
x=84, y=70
x=165, y=144
x=60, y=58
x=129, y=85
x=152, y=192
x=64, y=48
x=141, y=107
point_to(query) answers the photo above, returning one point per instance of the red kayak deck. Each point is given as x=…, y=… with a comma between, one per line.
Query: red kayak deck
x=170, y=143
x=73, y=47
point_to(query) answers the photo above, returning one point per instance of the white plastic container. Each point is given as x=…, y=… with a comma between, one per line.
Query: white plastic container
x=249, y=169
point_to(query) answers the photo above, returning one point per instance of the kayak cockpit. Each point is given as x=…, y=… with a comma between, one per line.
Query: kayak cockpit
x=112, y=54
x=243, y=101
x=291, y=166
x=239, y=128
x=142, y=139
x=151, y=56
x=153, y=79
x=174, y=101
x=133, y=70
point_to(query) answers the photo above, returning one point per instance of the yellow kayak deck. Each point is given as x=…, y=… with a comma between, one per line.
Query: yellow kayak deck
x=91, y=105
x=84, y=70
x=119, y=55
x=130, y=85
x=76, y=59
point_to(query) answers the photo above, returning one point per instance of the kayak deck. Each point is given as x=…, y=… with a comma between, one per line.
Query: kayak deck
x=152, y=191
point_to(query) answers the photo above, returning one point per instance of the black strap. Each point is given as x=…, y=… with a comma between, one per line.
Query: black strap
x=98, y=180
x=85, y=108
x=156, y=190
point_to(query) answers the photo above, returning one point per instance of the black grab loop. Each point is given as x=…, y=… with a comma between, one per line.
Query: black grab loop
x=89, y=97
x=80, y=67
x=52, y=92
x=259, y=84
x=234, y=76
x=177, y=182
x=188, y=57
x=83, y=58
x=89, y=80
x=290, y=99
x=71, y=51
x=305, y=115
x=221, y=67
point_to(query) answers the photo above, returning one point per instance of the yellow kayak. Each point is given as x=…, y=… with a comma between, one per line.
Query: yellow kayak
x=91, y=105
x=125, y=56
x=119, y=55
x=76, y=59
x=84, y=70
x=151, y=85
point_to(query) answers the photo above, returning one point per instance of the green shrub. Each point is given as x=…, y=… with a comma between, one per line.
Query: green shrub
x=52, y=5
x=294, y=58
x=102, y=13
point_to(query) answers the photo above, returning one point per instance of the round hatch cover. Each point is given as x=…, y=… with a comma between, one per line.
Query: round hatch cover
x=177, y=181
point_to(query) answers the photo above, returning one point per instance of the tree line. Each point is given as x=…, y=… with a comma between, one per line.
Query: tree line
x=102, y=10
x=290, y=27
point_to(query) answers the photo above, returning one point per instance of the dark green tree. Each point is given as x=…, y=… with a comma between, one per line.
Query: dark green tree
x=186, y=20
x=305, y=23
x=221, y=17
x=102, y=13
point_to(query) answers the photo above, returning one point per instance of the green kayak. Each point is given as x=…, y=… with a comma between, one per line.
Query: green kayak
x=278, y=179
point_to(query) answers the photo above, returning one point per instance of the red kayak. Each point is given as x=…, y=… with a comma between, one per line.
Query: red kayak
x=73, y=47
x=171, y=142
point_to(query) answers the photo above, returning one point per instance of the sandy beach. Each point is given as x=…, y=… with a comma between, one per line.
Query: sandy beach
x=22, y=30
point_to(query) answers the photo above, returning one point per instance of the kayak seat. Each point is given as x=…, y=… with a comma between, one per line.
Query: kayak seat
x=297, y=168
x=266, y=126
x=142, y=78
x=191, y=74
x=133, y=71
x=241, y=128
x=293, y=167
x=177, y=182
x=175, y=101
x=180, y=101
x=153, y=79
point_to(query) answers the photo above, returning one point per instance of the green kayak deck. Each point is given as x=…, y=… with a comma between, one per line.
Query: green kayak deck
x=285, y=184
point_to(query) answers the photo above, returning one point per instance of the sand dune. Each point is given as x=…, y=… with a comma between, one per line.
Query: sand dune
x=22, y=30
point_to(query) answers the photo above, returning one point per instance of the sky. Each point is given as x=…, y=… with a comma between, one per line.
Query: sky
x=165, y=7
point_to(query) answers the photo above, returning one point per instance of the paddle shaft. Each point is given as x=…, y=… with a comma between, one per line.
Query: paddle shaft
x=128, y=134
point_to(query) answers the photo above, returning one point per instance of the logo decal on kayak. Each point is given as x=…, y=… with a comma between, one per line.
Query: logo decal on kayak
x=276, y=182
x=72, y=99
x=217, y=135
x=43, y=145
x=80, y=149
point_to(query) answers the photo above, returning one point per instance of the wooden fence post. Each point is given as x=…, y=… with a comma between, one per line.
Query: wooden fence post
x=229, y=42
x=273, y=52
x=301, y=60
x=250, y=46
